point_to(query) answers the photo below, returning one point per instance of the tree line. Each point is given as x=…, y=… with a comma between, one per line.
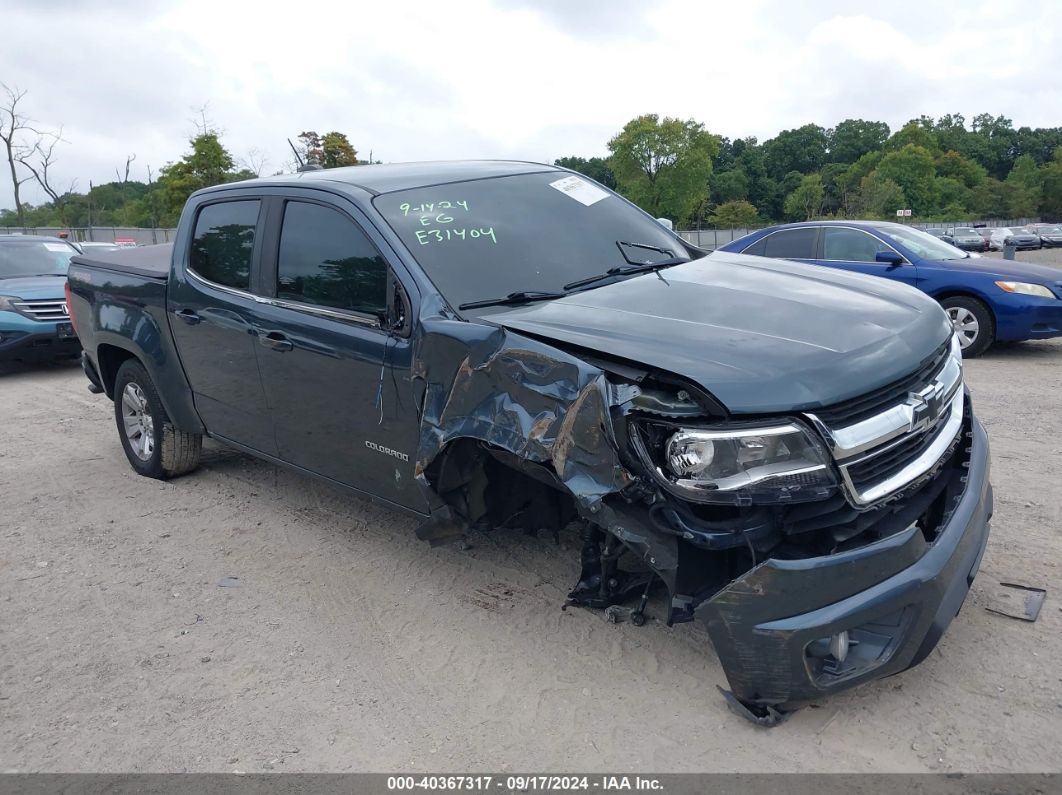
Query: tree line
x=941, y=169
x=31, y=154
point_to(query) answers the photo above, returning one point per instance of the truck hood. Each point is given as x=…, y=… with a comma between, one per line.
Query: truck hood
x=33, y=288
x=761, y=335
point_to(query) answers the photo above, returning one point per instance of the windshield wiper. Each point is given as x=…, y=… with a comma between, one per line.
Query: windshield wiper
x=646, y=246
x=626, y=270
x=521, y=297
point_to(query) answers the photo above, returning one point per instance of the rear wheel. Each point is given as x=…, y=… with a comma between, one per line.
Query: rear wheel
x=973, y=323
x=153, y=446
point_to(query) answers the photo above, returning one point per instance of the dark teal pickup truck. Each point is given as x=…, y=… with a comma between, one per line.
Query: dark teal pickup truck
x=789, y=453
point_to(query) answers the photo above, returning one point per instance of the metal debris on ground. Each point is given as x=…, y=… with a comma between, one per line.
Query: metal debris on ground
x=1017, y=601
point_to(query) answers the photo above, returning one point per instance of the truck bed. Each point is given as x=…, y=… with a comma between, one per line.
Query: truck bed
x=150, y=262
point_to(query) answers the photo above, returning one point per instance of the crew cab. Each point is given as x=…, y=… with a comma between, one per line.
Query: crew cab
x=34, y=325
x=790, y=453
x=988, y=299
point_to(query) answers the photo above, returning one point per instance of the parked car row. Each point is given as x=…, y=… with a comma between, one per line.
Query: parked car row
x=983, y=238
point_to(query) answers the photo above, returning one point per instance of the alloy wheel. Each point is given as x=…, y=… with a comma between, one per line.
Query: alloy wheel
x=137, y=422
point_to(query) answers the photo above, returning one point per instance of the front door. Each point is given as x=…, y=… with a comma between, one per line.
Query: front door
x=855, y=250
x=212, y=314
x=338, y=383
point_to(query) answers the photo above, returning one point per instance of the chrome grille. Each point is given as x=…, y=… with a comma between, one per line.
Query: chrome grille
x=880, y=454
x=43, y=310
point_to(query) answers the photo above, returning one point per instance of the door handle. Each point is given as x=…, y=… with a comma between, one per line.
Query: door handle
x=189, y=316
x=276, y=341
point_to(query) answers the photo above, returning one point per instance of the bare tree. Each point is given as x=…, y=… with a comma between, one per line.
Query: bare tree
x=255, y=161
x=128, y=162
x=14, y=125
x=204, y=124
x=39, y=160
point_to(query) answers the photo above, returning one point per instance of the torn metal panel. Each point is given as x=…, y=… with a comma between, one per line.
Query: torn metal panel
x=521, y=396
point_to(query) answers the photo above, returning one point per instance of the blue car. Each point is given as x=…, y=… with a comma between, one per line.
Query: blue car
x=34, y=323
x=987, y=299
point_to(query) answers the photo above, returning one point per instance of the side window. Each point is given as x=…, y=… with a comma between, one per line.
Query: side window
x=756, y=248
x=791, y=243
x=850, y=245
x=223, y=242
x=325, y=259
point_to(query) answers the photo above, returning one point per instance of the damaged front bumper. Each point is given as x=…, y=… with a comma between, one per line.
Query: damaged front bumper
x=883, y=606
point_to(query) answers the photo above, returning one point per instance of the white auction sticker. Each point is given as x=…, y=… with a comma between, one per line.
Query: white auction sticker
x=580, y=190
x=63, y=247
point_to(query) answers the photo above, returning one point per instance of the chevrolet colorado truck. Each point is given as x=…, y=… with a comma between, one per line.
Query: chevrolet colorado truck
x=789, y=452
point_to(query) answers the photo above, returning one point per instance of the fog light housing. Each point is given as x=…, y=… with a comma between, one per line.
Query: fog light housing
x=839, y=646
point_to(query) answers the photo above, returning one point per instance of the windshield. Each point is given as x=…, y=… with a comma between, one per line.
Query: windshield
x=34, y=258
x=921, y=243
x=487, y=238
x=964, y=230
x=1051, y=230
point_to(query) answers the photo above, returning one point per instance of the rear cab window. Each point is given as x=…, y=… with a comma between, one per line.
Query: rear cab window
x=223, y=243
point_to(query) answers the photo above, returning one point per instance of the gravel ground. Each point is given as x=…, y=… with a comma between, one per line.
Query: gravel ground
x=346, y=644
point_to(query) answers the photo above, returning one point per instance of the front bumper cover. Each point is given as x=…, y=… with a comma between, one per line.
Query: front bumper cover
x=37, y=345
x=896, y=597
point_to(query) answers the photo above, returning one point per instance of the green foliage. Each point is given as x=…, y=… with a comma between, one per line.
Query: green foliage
x=853, y=138
x=663, y=165
x=331, y=150
x=912, y=168
x=914, y=133
x=805, y=201
x=732, y=185
x=1024, y=184
x=208, y=163
x=802, y=150
x=1051, y=194
x=879, y=197
x=734, y=215
x=595, y=167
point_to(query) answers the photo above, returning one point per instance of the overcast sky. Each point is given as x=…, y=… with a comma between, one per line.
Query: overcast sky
x=527, y=79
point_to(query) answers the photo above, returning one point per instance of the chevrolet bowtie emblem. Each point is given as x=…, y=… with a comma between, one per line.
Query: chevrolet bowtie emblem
x=924, y=407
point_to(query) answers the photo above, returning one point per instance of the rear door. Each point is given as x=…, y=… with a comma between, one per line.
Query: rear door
x=853, y=249
x=212, y=315
x=339, y=384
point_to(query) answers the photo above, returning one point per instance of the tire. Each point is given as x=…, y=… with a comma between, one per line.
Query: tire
x=154, y=447
x=974, y=323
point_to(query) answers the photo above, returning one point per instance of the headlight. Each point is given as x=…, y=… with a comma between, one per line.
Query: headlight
x=6, y=304
x=740, y=465
x=1024, y=288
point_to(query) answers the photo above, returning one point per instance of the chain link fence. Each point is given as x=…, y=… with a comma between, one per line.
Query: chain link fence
x=97, y=234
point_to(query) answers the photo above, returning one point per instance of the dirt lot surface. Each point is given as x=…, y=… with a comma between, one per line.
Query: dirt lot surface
x=346, y=644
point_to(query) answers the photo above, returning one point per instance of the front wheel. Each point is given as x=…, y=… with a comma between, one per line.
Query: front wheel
x=973, y=323
x=153, y=446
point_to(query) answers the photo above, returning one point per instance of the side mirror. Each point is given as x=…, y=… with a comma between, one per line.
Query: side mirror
x=888, y=257
x=666, y=223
